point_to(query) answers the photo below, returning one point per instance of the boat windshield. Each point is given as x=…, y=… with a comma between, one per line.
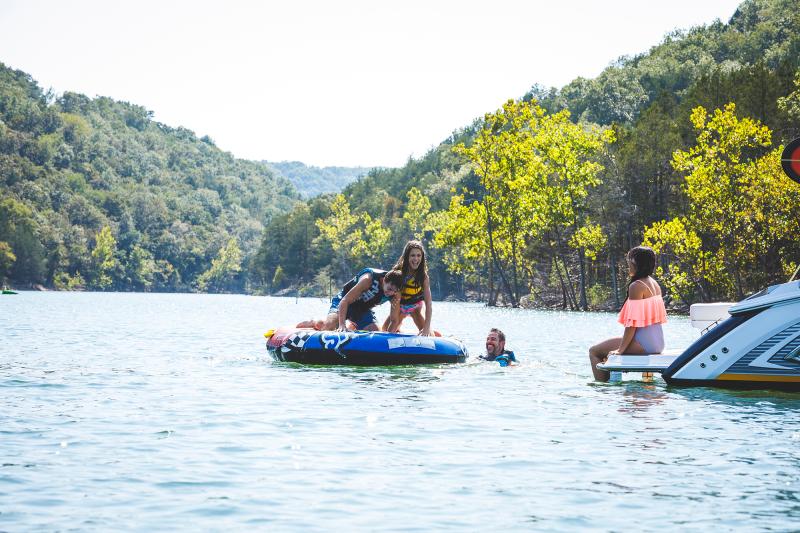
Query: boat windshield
x=763, y=292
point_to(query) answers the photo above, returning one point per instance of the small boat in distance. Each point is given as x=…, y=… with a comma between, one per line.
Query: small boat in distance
x=361, y=348
x=756, y=347
x=8, y=291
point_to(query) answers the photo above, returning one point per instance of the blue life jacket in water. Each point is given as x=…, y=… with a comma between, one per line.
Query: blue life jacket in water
x=504, y=359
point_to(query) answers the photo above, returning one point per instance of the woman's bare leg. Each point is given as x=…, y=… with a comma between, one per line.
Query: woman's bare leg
x=599, y=353
x=419, y=320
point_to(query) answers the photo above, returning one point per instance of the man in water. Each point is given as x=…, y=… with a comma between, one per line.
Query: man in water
x=496, y=348
x=369, y=288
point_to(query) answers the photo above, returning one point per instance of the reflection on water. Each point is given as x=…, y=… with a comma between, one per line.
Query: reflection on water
x=641, y=397
x=780, y=399
x=135, y=411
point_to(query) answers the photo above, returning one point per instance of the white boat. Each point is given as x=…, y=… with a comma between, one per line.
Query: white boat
x=752, y=344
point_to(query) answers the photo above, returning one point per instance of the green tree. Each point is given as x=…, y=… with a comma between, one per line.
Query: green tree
x=278, y=278
x=224, y=268
x=743, y=214
x=502, y=156
x=354, y=238
x=19, y=229
x=569, y=170
x=104, y=259
x=416, y=213
x=535, y=173
x=460, y=237
x=789, y=105
x=65, y=282
x=140, y=268
x=7, y=259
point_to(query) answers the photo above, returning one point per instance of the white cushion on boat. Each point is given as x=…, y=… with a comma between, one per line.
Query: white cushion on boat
x=703, y=315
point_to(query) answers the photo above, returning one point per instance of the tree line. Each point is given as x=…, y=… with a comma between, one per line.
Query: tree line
x=533, y=204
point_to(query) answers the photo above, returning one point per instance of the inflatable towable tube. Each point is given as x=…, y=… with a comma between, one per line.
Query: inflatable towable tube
x=362, y=348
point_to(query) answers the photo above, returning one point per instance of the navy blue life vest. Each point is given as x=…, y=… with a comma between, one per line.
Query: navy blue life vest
x=371, y=297
x=504, y=358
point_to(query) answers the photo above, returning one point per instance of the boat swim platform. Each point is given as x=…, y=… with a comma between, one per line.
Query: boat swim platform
x=640, y=363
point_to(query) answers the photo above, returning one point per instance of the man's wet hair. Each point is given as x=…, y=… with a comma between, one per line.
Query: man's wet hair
x=500, y=334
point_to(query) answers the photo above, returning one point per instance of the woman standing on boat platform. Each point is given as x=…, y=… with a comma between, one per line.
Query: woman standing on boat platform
x=642, y=314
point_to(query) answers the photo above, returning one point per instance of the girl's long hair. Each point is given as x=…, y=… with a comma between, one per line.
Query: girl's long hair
x=643, y=259
x=403, y=266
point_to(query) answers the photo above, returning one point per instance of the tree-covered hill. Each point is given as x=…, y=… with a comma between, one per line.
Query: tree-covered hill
x=96, y=194
x=691, y=64
x=312, y=181
x=522, y=206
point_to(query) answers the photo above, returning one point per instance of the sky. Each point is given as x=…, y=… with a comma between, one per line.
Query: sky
x=345, y=83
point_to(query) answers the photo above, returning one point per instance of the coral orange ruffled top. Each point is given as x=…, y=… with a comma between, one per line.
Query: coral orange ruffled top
x=643, y=313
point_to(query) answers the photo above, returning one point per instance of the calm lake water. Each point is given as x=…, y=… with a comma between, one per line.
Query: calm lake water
x=161, y=412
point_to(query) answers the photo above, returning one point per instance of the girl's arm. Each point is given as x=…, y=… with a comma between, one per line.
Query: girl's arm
x=426, y=288
x=394, y=314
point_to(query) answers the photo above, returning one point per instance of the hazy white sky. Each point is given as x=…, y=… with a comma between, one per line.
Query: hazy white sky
x=325, y=82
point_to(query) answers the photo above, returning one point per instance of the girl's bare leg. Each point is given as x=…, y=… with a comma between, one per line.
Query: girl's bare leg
x=419, y=320
x=395, y=327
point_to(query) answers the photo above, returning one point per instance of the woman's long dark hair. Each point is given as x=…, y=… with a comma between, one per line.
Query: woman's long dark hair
x=643, y=259
x=403, y=266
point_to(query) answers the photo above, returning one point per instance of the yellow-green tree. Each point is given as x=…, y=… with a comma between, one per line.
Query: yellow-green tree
x=503, y=158
x=354, y=238
x=690, y=268
x=460, y=240
x=568, y=172
x=743, y=214
x=535, y=174
x=104, y=260
x=140, y=268
x=416, y=213
x=223, y=268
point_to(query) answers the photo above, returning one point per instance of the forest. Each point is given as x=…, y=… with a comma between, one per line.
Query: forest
x=533, y=204
x=97, y=195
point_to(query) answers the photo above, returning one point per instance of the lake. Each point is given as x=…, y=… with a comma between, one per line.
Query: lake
x=163, y=411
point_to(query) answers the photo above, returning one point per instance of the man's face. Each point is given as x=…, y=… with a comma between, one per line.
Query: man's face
x=494, y=346
x=390, y=289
